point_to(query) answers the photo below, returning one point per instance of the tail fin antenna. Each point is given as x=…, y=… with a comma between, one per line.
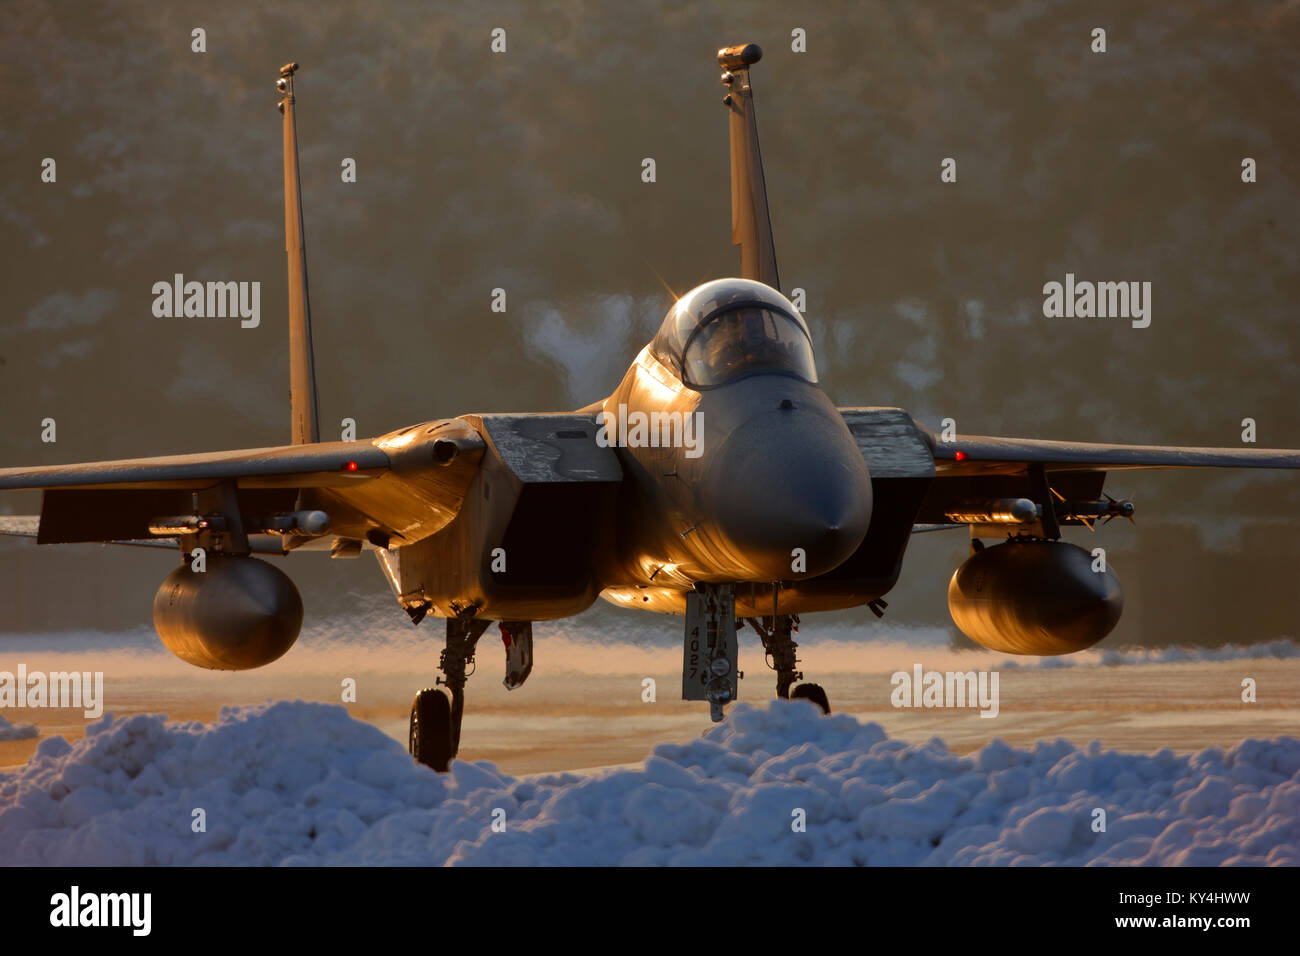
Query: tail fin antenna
x=302, y=362
x=751, y=226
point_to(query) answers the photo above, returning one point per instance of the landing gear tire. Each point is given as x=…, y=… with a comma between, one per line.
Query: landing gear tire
x=814, y=693
x=430, y=742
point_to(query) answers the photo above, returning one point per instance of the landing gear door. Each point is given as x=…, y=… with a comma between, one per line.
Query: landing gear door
x=710, y=651
x=518, y=639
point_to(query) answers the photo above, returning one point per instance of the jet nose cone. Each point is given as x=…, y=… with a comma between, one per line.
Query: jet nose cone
x=784, y=535
x=792, y=496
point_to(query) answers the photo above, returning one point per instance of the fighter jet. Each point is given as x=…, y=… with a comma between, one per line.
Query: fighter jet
x=718, y=482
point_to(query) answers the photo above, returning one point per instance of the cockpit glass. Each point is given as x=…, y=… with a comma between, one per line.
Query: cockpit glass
x=743, y=340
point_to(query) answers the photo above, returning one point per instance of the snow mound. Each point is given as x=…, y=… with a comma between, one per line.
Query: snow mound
x=1283, y=648
x=12, y=731
x=304, y=783
x=1280, y=649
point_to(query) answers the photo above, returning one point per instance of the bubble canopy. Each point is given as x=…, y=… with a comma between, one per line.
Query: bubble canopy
x=730, y=328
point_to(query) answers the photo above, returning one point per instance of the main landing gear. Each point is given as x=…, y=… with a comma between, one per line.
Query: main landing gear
x=436, y=711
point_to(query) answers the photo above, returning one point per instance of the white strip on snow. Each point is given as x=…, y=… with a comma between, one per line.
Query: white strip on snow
x=304, y=783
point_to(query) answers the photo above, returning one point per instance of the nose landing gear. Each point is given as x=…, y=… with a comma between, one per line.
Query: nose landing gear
x=776, y=633
x=710, y=654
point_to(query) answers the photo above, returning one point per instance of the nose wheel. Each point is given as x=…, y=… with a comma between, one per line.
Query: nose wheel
x=814, y=693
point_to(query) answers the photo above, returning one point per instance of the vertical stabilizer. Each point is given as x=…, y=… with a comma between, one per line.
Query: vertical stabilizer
x=302, y=363
x=751, y=226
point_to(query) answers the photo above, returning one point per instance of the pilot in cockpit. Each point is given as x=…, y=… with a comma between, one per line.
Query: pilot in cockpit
x=743, y=340
x=732, y=328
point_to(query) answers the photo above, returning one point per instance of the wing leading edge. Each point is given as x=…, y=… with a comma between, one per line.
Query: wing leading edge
x=980, y=477
x=401, y=486
x=981, y=455
x=329, y=464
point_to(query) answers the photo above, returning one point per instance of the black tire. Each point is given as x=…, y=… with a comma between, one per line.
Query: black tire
x=430, y=742
x=814, y=693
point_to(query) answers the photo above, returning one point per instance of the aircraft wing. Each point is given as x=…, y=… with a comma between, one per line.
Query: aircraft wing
x=974, y=475
x=981, y=455
x=378, y=493
x=978, y=479
x=404, y=485
x=293, y=466
x=896, y=446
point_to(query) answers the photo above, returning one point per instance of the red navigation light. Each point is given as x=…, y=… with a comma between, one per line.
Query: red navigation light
x=961, y=456
x=350, y=466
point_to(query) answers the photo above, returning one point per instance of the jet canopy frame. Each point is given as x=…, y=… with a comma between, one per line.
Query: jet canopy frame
x=693, y=321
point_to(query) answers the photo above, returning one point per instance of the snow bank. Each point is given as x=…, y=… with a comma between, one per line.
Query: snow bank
x=304, y=783
x=12, y=731
x=1281, y=649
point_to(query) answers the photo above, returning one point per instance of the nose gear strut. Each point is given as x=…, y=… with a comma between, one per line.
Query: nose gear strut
x=779, y=646
x=776, y=631
x=710, y=653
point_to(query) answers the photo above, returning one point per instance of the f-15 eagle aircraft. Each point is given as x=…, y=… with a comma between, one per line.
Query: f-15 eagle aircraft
x=718, y=482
